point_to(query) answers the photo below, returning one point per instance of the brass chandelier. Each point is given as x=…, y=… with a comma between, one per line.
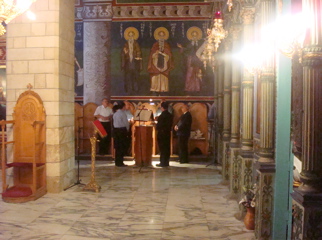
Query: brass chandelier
x=215, y=35
x=9, y=9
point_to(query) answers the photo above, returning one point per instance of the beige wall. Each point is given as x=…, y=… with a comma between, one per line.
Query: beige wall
x=41, y=52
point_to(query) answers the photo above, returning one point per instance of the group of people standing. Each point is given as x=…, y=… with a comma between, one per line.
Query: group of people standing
x=117, y=120
x=183, y=129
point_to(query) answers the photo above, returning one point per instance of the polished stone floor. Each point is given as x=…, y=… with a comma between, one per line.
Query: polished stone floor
x=181, y=202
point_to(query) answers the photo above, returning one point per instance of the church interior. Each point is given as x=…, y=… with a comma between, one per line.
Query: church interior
x=250, y=73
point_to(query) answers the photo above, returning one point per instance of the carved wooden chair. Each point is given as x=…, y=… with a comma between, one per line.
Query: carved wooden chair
x=27, y=166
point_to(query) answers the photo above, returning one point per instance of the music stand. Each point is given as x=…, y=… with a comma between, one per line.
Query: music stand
x=99, y=128
x=142, y=115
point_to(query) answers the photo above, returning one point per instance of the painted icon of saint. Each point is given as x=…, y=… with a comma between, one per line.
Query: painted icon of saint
x=131, y=60
x=160, y=61
x=193, y=64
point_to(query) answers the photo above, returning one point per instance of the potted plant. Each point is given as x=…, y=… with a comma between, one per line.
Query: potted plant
x=248, y=201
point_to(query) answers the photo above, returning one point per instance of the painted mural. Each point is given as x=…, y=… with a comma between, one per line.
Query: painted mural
x=159, y=59
x=153, y=58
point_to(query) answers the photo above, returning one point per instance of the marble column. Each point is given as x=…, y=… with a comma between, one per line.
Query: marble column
x=234, y=158
x=41, y=52
x=220, y=110
x=215, y=123
x=97, y=61
x=266, y=163
x=246, y=153
x=227, y=109
x=307, y=199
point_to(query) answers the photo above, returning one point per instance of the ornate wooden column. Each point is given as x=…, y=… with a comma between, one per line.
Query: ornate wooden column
x=227, y=109
x=266, y=164
x=307, y=199
x=246, y=153
x=235, y=115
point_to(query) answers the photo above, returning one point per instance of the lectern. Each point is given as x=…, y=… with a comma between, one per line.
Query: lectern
x=143, y=139
x=143, y=146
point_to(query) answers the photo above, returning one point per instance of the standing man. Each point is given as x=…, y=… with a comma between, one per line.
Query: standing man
x=183, y=129
x=160, y=61
x=121, y=128
x=104, y=114
x=131, y=60
x=163, y=127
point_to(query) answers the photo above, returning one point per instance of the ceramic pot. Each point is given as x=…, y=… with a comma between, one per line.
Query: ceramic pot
x=249, y=219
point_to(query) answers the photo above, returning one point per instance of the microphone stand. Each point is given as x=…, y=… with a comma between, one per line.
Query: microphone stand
x=78, y=182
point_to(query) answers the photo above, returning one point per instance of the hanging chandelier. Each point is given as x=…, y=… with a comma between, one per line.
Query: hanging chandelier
x=215, y=35
x=9, y=9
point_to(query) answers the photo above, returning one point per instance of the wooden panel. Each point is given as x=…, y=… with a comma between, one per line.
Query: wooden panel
x=143, y=145
x=177, y=112
x=199, y=121
x=199, y=115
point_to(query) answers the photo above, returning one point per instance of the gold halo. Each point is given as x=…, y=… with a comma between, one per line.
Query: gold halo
x=161, y=29
x=194, y=29
x=131, y=29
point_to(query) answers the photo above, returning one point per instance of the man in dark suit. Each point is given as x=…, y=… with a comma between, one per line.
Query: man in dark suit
x=163, y=127
x=183, y=129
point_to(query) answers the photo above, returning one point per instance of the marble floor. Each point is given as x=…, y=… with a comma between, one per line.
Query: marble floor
x=181, y=202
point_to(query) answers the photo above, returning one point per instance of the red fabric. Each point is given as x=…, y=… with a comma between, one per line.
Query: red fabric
x=17, y=191
x=99, y=127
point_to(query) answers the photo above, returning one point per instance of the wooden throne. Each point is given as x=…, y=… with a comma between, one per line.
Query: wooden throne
x=27, y=166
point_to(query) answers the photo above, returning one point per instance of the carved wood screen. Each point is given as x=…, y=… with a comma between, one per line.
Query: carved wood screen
x=84, y=115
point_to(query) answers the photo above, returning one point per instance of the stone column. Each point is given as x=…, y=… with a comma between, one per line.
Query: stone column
x=235, y=115
x=307, y=199
x=246, y=153
x=226, y=110
x=266, y=163
x=220, y=110
x=97, y=61
x=215, y=123
x=41, y=52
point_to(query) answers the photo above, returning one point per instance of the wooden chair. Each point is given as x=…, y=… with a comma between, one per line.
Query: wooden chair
x=29, y=151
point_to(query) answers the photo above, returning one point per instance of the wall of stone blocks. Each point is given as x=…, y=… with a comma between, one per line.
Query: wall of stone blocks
x=41, y=52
